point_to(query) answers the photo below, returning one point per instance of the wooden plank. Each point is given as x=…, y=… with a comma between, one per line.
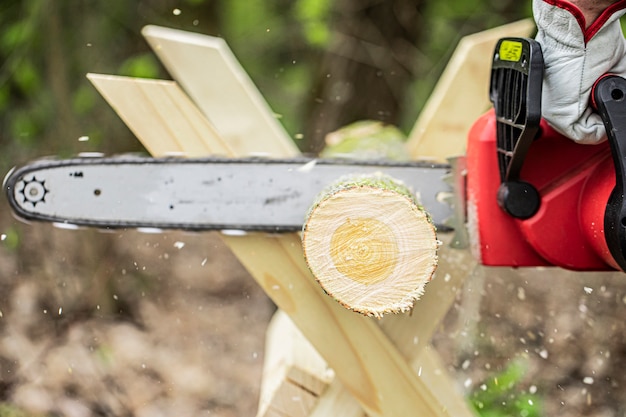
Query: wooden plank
x=208, y=71
x=337, y=401
x=368, y=365
x=460, y=96
x=431, y=369
x=294, y=374
x=161, y=106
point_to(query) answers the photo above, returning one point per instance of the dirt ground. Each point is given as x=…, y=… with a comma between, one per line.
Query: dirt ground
x=566, y=328
x=132, y=324
x=129, y=324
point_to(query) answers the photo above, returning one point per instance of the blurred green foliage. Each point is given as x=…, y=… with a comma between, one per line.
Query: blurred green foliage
x=46, y=48
x=142, y=66
x=503, y=396
x=314, y=16
x=10, y=238
x=7, y=410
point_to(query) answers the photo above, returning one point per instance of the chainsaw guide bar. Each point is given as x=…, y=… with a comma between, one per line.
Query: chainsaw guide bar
x=199, y=194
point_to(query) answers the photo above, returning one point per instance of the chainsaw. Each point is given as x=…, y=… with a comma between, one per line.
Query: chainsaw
x=524, y=194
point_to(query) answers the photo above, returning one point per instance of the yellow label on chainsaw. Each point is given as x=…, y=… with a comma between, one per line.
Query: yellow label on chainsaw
x=510, y=51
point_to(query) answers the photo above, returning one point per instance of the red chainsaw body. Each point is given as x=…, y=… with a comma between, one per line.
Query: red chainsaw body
x=574, y=182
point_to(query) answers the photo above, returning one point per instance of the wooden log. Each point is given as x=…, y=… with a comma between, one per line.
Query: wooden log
x=370, y=245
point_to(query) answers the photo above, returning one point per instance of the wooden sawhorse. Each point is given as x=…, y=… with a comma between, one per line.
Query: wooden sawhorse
x=379, y=367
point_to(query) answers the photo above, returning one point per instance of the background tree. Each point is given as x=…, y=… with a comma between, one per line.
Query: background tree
x=321, y=64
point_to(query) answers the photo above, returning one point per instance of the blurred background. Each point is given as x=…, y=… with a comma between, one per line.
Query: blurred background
x=129, y=324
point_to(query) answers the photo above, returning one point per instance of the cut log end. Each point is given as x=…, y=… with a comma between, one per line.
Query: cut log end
x=370, y=245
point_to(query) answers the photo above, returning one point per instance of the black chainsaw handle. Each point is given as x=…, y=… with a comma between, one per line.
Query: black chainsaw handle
x=515, y=92
x=609, y=98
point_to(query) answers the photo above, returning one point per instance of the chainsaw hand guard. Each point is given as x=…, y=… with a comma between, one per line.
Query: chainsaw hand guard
x=610, y=99
x=515, y=91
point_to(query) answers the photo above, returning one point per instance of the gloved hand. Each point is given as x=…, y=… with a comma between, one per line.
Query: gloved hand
x=575, y=56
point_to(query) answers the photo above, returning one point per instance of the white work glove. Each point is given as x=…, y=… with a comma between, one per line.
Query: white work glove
x=574, y=59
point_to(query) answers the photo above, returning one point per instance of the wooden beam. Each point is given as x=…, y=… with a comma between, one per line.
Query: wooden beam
x=461, y=95
x=294, y=374
x=205, y=67
x=180, y=124
x=337, y=401
x=433, y=371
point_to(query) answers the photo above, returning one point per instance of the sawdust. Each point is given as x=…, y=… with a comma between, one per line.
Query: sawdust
x=170, y=324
